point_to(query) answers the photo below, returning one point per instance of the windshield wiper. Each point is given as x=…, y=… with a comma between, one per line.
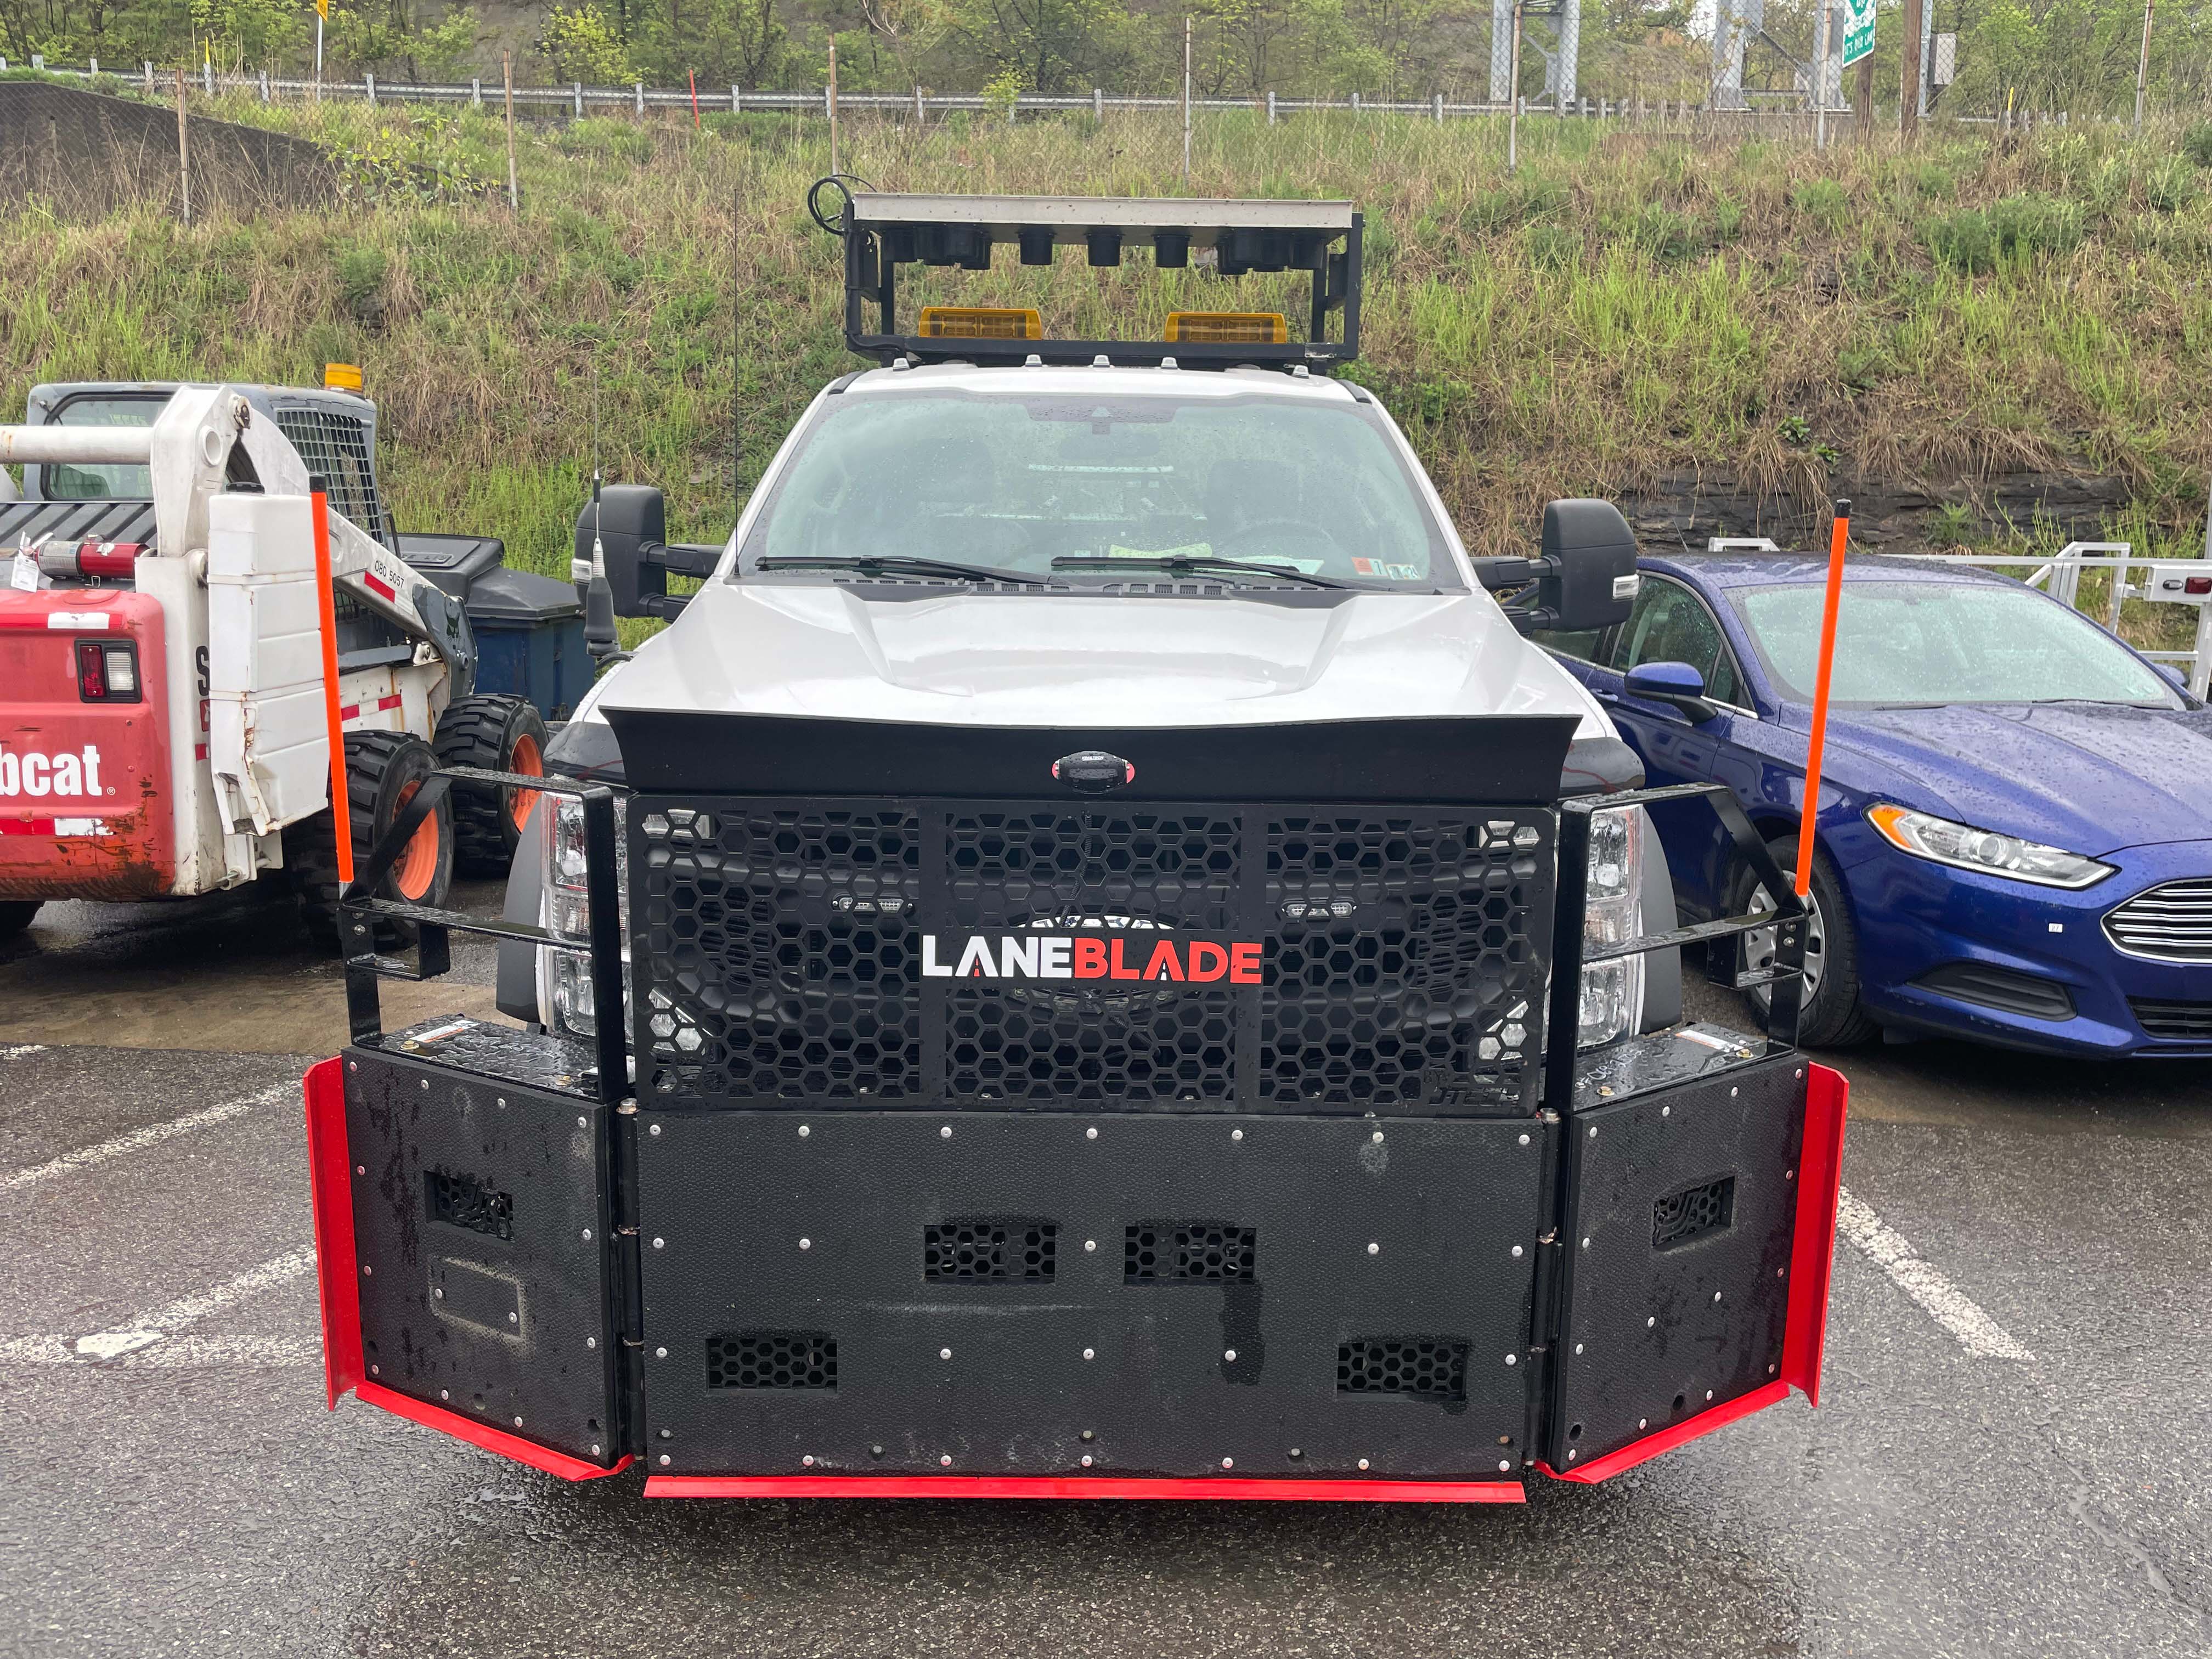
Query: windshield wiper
x=893, y=564
x=1179, y=563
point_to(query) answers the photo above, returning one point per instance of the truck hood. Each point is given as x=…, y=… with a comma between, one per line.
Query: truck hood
x=826, y=651
x=2093, y=778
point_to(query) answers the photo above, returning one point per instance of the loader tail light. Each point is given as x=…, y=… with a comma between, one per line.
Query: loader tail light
x=1229, y=327
x=2197, y=585
x=106, y=672
x=980, y=323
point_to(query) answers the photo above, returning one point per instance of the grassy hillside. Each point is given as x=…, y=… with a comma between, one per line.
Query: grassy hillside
x=1632, y=306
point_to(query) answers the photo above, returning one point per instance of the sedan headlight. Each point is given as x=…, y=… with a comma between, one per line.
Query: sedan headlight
x=567, y=974
x=1613, y=913
x=1965, y=847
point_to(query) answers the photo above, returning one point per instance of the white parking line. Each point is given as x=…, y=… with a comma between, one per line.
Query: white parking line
x=180, y=1353
x=152, y=1135
x=17, y=1051
x=1946, y=1303
x=151, y=1339
x=148, y=1328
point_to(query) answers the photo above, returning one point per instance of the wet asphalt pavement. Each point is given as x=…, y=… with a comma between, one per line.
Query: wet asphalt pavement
x=2012, y=1456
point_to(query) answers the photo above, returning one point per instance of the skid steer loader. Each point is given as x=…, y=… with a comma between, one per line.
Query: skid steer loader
x=162, y=731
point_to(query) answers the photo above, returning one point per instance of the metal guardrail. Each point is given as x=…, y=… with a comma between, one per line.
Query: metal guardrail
x=2060, y=576
x=576, y=100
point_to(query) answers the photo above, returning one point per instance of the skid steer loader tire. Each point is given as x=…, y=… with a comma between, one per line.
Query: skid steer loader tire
x=383, y=771
x=498, y=734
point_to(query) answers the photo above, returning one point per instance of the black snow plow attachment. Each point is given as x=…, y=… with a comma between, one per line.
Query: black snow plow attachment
x=1078, y=1148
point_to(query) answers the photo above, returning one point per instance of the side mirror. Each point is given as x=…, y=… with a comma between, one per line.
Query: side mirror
x=1587, y=576
x=630, y=524
x=1676, y=684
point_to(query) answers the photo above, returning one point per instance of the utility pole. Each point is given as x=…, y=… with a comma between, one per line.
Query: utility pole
x=2142, y=66
x=183, y=150
x=1909, y=76
x=833, y=103
x=1186, y=102
x=1820, y=76
x=1513, y=100
x=514, y=194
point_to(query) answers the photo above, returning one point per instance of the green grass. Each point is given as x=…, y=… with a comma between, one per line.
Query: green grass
x=1630, y=306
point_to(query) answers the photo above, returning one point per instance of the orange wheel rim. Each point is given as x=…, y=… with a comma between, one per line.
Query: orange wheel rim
x=418, y=865
x=531, y=763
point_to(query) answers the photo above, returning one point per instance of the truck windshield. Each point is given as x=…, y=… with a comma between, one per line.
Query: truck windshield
x=1013, y=484
x=117, y=482
x=1934, y=643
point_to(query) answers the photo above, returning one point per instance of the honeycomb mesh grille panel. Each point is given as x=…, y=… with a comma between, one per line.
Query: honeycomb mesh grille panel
x=772, y=1359
x=1189, y=1253
x=336, y=446
x=1430, y=1367
x=1094, y=867
x=785, y=943
x=1412, y=971
x=1401, y=954
x=1691, y=1214
x=1019, y=1046
x=465, y=1201
x=979, y=1250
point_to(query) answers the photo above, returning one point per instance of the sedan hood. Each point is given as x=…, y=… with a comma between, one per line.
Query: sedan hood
x=826, y=651
x=2092, y=778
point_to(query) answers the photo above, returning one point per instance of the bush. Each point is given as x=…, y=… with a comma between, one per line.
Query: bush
x=2197, y=143
x=2026, y=225
x=1665, y=233
x=1553, y=246
x=1962, y=241
x=1518, y=203
x=361, y=271
x=1823, y=201
x=2169, y=185
x=1728, y=218
x=2017, y=228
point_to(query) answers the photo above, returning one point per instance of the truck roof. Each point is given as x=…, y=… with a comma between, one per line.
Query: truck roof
x=1114, y=382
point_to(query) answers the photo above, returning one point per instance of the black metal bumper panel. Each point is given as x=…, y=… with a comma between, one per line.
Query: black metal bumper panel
x=1116, y=1293
x=781, y=950
x=1676, y=1250
x=480, y=1231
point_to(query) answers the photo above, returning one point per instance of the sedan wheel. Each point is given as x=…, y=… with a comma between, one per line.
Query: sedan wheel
x=1759, y=949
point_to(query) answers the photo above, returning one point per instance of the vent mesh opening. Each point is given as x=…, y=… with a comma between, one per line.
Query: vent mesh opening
x=1693, y=1213
x=772, y=1359
x=1428, y=1367
x=465, y=1201
x=977, y=1249
x=1188, y=1253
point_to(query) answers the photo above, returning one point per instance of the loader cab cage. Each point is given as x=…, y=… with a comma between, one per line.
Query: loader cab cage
x=884, y=232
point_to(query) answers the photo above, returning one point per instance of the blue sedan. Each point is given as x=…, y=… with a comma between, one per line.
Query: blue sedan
x=2014, y=832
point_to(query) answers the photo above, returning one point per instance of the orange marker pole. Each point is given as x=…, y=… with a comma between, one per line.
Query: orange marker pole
x=1838, y=538
x=340, y=809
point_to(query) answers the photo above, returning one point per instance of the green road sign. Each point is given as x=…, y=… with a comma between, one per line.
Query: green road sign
x=1858, y=30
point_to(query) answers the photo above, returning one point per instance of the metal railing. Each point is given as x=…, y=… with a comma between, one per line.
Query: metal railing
x=576, y=100
x=2059, y=574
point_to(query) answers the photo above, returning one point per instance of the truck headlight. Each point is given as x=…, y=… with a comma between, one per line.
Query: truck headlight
x=1613, y=913
x=1965, y=847
x=565, y=977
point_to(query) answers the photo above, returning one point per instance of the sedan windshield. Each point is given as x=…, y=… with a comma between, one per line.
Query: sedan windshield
x=1162, y=483
x=1933, y=642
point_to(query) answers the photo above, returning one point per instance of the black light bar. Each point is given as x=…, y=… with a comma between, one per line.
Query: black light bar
x=883, y=232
